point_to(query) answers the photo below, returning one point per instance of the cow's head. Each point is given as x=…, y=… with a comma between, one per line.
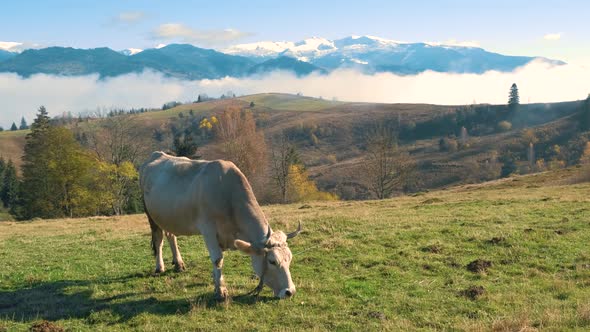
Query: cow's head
x=271, y=261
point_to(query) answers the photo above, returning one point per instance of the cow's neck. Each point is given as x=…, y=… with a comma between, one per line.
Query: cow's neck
x=253, y=222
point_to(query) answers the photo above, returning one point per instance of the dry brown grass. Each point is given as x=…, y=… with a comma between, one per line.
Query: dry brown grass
x=12, y=144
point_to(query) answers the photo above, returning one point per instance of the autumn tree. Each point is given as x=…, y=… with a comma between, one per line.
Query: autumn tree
x=301, y=188
x=117, y=143
x=57, y=175
x=240, y=140
x=283, y=157
x=386, y=168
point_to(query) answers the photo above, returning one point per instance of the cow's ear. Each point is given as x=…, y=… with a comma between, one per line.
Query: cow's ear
x=245, y=247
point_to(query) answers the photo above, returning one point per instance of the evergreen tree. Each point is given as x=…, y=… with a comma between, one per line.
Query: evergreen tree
x=59, y=178
x=185, y=146
x=23, y=124
x=585, y=115
x=13, y=127
x=1, y=129
x=513, y=99
x=2, y=168
x=10, y=186
x=35, y=180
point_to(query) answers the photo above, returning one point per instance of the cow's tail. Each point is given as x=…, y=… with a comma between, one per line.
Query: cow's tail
x=153, y=226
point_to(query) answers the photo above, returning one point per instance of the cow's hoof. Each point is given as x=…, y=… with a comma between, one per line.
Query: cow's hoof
x=179, y=267
x=221, y=294
x=159, y=270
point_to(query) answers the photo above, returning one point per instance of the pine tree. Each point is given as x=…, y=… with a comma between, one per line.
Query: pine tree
x=513, y=99
x=23, y=124
x=59, y=178
x=13, y=127
x=2, y=168
x=585, y=114
x=9, y=194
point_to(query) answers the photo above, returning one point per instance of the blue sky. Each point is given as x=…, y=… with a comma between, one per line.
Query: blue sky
x=556, y=29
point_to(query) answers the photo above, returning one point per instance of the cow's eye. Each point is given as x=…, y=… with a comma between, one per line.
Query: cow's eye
x=271, y=262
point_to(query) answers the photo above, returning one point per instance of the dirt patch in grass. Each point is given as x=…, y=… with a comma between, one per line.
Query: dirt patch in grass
x=432, y=200
x=473, y=292
x=377, y=315
x=497, y=240
x=305, y=206
x=479, y=266
x=433, y=248
x=45, y=326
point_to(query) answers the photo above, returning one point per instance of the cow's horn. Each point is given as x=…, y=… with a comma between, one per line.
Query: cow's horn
x=268, y=233
x=294, y=234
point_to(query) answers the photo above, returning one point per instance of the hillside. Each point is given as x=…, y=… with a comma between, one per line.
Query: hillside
x=331, y=135
x=510, y=255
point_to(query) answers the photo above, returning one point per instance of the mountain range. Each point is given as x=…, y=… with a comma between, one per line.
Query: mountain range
x=367, y=54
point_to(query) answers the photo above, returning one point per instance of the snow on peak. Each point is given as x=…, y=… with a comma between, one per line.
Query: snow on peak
x=131, y=51
x=261, y=49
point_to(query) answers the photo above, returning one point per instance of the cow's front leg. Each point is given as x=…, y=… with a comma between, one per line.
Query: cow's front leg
x=216, y=255
x=176, y=257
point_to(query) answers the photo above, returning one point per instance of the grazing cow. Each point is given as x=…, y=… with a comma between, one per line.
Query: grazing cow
x=214, y=199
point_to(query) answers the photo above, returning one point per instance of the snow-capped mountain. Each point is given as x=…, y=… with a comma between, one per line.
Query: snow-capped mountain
x=367, y=54
x=375, y=54
x=130, y=51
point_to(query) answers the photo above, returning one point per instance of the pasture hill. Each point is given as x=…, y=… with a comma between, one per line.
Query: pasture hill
x=508, y=255
x=450, y=145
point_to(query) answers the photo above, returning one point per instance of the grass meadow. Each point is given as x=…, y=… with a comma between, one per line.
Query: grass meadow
x=506, y=257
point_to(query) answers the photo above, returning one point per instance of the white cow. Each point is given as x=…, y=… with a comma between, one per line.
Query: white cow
x=214, y=199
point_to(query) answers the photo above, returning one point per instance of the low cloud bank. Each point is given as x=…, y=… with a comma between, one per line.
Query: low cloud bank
x=537, y=82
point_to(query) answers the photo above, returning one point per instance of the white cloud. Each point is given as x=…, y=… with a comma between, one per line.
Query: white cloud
x=18, y=46
x=537, y=82
x=176, y=31
x=552, y=36
x=129, y=17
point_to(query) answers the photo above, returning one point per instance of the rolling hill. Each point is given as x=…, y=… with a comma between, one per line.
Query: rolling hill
x=330, y=136
x=505, y=256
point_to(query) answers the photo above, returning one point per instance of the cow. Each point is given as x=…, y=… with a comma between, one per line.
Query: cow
x=214, y=199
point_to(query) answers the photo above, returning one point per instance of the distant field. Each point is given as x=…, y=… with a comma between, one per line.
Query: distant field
x=12, y=144
x=330, y=136
x=398, y=264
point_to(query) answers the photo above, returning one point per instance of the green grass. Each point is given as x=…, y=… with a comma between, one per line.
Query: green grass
x=274, y=101
x=396, y=264
x=286, y=102
x=16, y=133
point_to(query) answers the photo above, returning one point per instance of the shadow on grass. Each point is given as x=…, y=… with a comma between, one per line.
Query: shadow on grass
x=76, y=299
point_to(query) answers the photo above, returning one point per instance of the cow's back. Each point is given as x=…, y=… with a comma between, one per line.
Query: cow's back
x=175, y=191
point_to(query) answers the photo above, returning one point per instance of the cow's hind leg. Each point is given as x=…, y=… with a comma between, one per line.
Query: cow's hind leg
x=157, y=243
x=176, y=257
x=216, y=256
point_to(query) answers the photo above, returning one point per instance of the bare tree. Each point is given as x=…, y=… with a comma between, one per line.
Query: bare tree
x=386, y=168
x=118, y=142
x=118, y=139
x=283, y=156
